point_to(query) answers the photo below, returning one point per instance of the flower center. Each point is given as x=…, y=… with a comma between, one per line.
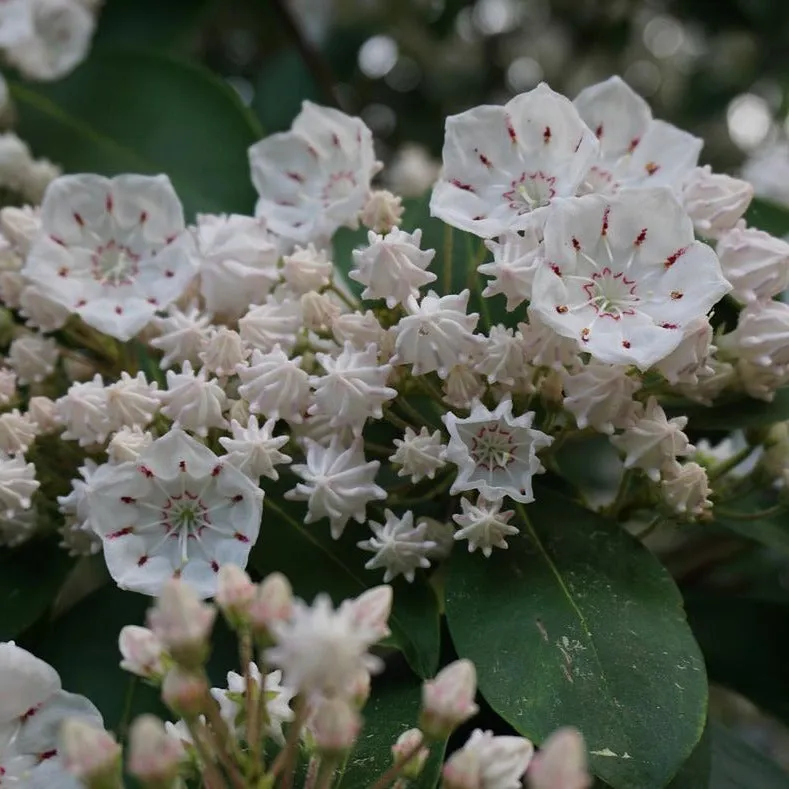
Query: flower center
x=339, y=186
x=530, y=191
x=115, y=264
x=612, y=295
x=492, y=447
x=185, y=513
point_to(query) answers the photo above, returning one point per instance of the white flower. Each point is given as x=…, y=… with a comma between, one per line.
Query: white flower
x=382, y=212
x=484, y=525
x=560, y=763
x=437, y=334
x=254, y=450
x=16, y=22
x=392, y=267
x=275, y=385
x=719, y=376
x=501, y=761
x=153, y=756
x=57, y=41
x=543, y=347
x=372, y=609
x=319, y=311
x=320, y=649
x=448, y=699
x=193, y=401
x=516, y=258
x=462, y=386
x=79, y=538
x=315, y=177
x=276, y=697
x=688, y=362
x=223, y=350
x=761, y=337
x=8, y=386
x=337, y=483
x=503, y=164
x=272, y=323
x=114, y=251
x=635, y=150
x=20, y=225
x=601, y=396
x=131, y=401
x=18, y=528
x=17, y=432
x=84, y=412
x=32, y=357
x=495, y=452
x=238, y=262
x=756, y=263
x=307, y=268
x=758, y=380
x=714, y=201
x=142, y=652
x=420, y=454
x=503, y=357
x=625, y=276
x=686, y=489
x=127, y=444
x=42, y=311
x=360, y=329
x=353, y=388
x=182, y=334
x=653, y=440
x=399, y=547
x=176, y=511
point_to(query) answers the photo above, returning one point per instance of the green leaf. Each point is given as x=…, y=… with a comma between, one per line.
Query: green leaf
x=26, y=592
x=577, y=623
x=768, y=216
x=695, y=773
x=743, y=412
x=770, y=531
x=314, y=563
x=746, y=646
x=736, y=765
x=145, y=113
x=393, y=708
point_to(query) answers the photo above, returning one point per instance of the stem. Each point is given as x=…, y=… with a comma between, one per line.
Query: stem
x=398, y=767
x=750, y=516
x=433, y=493
x=727, y=465
x=343, y=297
x=252, y=694
x=286, y=757
x=649, y=528
x=614, y=508
x=123, y=728
x=449, y=240
x=328, y=768
x=312, y=772
x=225, y=744
x=211, y=775
x=390, y=416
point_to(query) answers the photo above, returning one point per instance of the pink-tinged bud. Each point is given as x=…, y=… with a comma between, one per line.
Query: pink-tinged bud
x=372, y=608
x=448, y=700
x=273, y=603
x=235, y=593
x=154, y=756
x=358, y=689
x=462, y=771
x=714, y=201
x=142, y=652
x=382, y=212
x=560, y=763
x=334, y=726
x=90, y=754
x=407, y=751
x=185, y=693
x=182, y=623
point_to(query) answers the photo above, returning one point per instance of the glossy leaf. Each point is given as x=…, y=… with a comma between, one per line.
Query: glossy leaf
x=737, y=765
x=577, y=623
x=740, y=412
x=768, y=216
x=141, y=112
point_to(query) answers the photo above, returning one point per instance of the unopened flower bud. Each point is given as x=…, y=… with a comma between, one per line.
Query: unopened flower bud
x=560, y=763
x=714, y=201
x=448, y=699
x=182, y=623
x=273, y=603
x=334, y=726
x=20, y=226
x=42, y=411
x=382, y=212
x=409, y=752
x=358, y=690
x=184, y=692
x=372, y=608
x=154, y=756
x=318, y=310
x=239, y=410
x=462, y=771
x=90, y=754
x=127, y=444
x=235, y=593
x=142, y=652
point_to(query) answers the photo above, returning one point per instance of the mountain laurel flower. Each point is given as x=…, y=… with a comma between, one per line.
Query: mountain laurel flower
x=306, y=269
x=238, y=262
x=175, y=512
x=495, y=452
x=17, y=432
x=625, y=276
x=181, y=335
x=685, y=488
x=40, y=309
x=155, y=758
x=315, y=177
x=516, y=258
x=484, y=525
x=84, y=412
x=756, y=263
x=235, y=592
x=113, y=251
x=436, y=334
x=193, y=401
x=359, y=329
x=254, y=450
x=419, y=455
x=182, y=623
x=20, y=225
x=503, y=165
x=275, y=322
x=8, y=391
x=274, y=385
x=372, y=608
x=319, y=311
x=501, y=761
x=407, y=752
x=334, y=726
x=186, y=693
x=635, y=150
x=26, y=681
x=714, y=201
x=353, y=387
x=223, y=350
x=400, y=548
x=560, y=763
x=392, y=266
x=18, y=483
x=653, y=440
x=448, y=699
x=273, y=603
x=19, y=528
x=142, y=652
x=127, y=444
x=382, y=212
x=503, y=359
x=761, y=337
x=320, y=649
x=462, y=386
x=688, y=362
x=32, y=358
x=337, y=483
x=90, y=754
x=131, y=401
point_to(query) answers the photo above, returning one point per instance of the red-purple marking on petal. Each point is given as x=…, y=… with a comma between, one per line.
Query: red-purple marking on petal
x=297, y=177
x=128, y=500
x=651, y=168
x=78, y=219
x=142, y=560
x=576, y=244
x=63, y=271
x=241, y=537
x=676, y=295
x=546, y=135
x=215, y=565
x=126, y=530
x=599, y=131
x=606, y=213
x=216, y=470
x=460, y=185
x=108, y=204
x=674, y=257
x=642, y=237
x=510, y=129
x=146, y=472
x=143, y=217
x=182, y=465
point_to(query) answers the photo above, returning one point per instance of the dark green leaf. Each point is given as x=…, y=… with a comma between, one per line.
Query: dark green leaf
x=577, y=623
x=770, y=531
x=145, y=113
x=768, y=216
x=695, y=773
x=743, y=412
x=30, y=578
x=737, y=765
